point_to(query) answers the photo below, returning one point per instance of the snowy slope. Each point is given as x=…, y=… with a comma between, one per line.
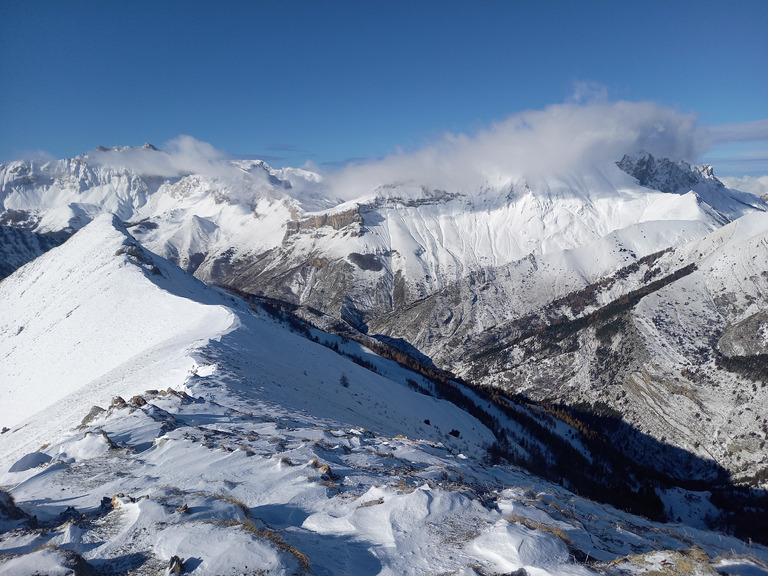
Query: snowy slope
x=257, y=457
x=125, y=319
x=279, y=232
x=682, y=360
x=126, y=313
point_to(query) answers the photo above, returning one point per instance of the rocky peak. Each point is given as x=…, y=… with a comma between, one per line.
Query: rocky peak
x=706, y=171
x=660, y=174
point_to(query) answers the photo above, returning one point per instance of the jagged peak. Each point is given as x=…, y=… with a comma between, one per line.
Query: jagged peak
x=706, y=171
x=662, y=174
x=145, y=146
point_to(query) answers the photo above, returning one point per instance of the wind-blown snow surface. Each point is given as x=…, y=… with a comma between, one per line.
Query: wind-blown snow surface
x=126, y=323
x=256, y=458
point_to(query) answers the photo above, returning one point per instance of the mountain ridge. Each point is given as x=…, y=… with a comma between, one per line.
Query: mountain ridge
x=587, y=292
x=301, y=460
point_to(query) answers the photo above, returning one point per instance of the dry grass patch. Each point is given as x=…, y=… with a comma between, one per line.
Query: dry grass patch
x=264, y=533
x=272, y=536
x=534, y=525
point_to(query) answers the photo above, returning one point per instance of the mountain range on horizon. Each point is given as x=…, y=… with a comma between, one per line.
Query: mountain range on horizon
x=498, y=368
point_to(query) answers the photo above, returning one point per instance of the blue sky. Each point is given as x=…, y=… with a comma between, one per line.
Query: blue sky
x=327, y=82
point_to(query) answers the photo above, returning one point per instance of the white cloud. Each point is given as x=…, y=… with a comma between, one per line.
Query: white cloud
x=586, y=91
x=559, y=140
x=757, y=186
x=180, y=156
x=739, y=149
x=754, y=131
x=37, y=156
x=554, y=141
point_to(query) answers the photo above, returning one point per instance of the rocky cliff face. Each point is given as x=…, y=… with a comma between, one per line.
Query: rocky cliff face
x=336, y=221
x=661, y=174
x=19, y=246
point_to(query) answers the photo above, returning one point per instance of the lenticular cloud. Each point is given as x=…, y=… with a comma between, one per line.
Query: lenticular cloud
x=557, y=140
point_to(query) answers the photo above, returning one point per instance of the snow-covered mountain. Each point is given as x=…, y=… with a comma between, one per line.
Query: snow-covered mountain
x=155, y=424
x=675, y=343
x=405, y=239
x=451, y=273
